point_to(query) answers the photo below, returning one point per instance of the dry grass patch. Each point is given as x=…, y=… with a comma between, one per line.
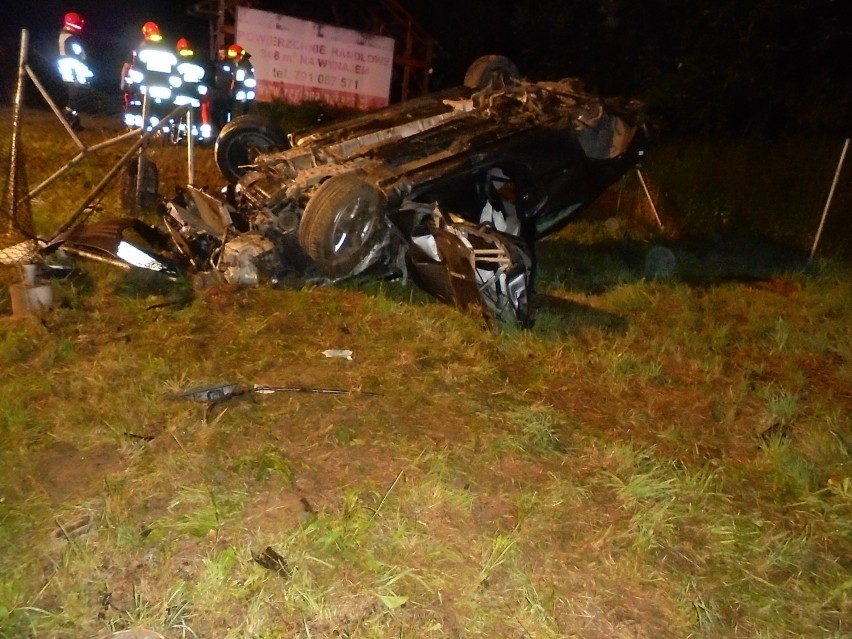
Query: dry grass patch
x=653, y=459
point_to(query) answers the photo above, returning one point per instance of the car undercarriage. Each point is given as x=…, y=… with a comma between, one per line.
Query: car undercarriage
x=451, y=190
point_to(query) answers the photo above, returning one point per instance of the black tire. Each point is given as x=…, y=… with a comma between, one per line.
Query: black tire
x=493, y=70
x=241, y=140
x=342, y=223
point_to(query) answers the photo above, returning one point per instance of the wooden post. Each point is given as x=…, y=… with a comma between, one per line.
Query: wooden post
x=650, y=199
x=828, y=200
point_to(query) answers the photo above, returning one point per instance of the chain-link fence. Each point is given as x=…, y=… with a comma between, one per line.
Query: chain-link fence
x=62, y=168
x=17, y=237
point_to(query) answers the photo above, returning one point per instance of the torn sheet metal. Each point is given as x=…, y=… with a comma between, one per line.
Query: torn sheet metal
x=126, y=241
x=473, y=266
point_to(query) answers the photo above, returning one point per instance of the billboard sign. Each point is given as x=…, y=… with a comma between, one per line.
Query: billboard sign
x=298, y=60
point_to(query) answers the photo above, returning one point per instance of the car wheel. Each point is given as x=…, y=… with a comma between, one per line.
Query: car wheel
x=241, y=141
x=493, y=70
x=342, y=223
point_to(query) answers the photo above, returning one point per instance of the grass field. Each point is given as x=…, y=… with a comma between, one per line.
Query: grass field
x=655, y=458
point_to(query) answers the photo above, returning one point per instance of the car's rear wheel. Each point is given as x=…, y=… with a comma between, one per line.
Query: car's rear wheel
x=342, y=223
x=242, y=140
x=493, y=70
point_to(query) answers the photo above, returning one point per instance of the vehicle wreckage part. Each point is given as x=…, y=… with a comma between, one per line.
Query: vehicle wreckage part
x=198, y=225
x=215, y=216
x=491, y=70
x=212, y=394
x=487, y=269
x=502, y=153
x=348, y=149
x=221, y=392
x=245, y=259
x=342, y=223
x=106, y=242
x=241, y=141
x=268, y=390
x=472, y=266
x=138, y=258
x=338, y=353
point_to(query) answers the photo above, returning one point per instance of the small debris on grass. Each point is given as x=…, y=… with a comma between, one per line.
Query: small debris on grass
x=338, y=353
x=138, y=437
x=307, y=513
x=135, y=633
x=212, y=394
x=78, y=527
x=272, y=560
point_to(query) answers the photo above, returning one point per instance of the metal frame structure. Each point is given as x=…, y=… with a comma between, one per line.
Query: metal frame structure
x=85, y=209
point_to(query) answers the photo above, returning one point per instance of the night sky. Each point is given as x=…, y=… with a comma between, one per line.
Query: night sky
x=706, y=59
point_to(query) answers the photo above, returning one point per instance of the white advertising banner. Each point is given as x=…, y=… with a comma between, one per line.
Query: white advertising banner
x=297, y=60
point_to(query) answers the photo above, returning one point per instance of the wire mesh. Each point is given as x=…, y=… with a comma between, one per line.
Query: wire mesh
x=17, y=237
x=60, y=166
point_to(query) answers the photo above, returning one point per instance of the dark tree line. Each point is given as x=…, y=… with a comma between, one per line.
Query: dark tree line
x=704, y=66
x=708, y=66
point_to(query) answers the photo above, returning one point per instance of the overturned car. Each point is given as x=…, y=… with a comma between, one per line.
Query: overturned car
x=452, y=189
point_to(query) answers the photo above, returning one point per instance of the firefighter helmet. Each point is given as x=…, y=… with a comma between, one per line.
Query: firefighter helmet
x=74, y=21
x=183, y=47
x=235, y=51
x=151, y=31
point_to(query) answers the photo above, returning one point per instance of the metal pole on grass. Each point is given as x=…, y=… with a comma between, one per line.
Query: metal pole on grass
x=828, y=200
x=16, y=125
x=648, y=195
x=136, y=147
x=190, y=145
x=140, y=162
x=80, y=214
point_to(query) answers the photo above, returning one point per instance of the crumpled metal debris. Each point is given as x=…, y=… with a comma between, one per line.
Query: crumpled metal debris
x=475, y=267
x=123, y=242
x=217, y=393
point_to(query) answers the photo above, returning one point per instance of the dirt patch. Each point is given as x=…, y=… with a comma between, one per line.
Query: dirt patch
x=270, y=513
x=64, y=471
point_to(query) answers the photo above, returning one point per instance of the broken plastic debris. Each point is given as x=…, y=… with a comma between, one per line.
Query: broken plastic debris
x=221, y=392
x=78, y=527
x=338, y=353
x=212, y=394
x=272, y=560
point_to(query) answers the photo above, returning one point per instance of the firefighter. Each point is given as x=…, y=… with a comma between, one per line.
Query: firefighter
x=243, y=89
x=220, y=89
x=193, y=88
x=72, y=65
x=150, y=74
